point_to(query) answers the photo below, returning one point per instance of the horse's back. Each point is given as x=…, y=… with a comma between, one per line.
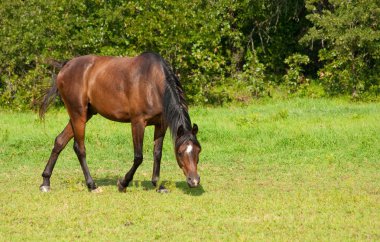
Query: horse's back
x=118, y=88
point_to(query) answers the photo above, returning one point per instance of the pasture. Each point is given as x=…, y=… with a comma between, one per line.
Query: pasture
x=284, y=170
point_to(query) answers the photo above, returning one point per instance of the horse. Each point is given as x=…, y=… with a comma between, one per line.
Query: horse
x=141, y=90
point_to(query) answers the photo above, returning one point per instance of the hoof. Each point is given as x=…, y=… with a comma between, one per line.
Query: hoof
x=162, y=189
x=121, y=187
x=45, y=188
x=97, y=190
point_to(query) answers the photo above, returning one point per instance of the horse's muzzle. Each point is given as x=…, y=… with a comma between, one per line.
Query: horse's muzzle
x=193, y=181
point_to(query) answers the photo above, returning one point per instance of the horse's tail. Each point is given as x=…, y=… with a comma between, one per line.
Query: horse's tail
x=50, y=93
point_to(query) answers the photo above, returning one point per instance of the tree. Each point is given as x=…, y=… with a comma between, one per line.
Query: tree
x=349, y=38
x=200, y=38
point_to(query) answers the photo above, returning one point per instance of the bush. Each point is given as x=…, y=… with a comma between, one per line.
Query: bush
x=222, y=50
x=349, y=36
x=294, y=78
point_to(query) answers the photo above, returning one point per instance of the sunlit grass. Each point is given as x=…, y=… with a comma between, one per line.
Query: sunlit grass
x=275, y=170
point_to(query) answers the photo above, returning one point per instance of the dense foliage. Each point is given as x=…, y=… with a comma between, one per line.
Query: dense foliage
x=349, y=38
x=222, y=50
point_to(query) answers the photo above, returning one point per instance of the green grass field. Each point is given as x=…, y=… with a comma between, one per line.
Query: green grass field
x=295, y=170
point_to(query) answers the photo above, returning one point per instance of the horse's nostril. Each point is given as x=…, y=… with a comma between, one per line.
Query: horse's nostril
x=193, y=180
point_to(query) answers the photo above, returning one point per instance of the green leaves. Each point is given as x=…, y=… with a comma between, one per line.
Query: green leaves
x=222, y=50
x=349, y=34
x=294, y=78
x=203, y=41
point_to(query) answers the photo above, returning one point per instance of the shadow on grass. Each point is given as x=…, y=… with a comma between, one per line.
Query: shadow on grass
x=198, y=191
x=106, y=181
x=147, y=185
x=112, y=181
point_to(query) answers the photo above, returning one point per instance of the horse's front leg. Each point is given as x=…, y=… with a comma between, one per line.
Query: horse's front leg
x=138, y=128
x=159, y=134
x=80, y=150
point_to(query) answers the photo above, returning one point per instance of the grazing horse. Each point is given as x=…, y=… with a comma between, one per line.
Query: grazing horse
x=142, y=90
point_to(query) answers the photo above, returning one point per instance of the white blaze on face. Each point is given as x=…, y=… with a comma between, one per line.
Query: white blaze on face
x=189, y=149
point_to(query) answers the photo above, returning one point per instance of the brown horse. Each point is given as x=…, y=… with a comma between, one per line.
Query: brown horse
x=142, y=90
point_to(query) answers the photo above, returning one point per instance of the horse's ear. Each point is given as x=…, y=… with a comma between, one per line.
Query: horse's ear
x=195, y=129
x=180, y=131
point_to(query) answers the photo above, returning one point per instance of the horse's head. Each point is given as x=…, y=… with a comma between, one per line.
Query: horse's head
x=187, y=149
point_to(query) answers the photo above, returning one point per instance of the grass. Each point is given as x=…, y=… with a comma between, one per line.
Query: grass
x=299, y=169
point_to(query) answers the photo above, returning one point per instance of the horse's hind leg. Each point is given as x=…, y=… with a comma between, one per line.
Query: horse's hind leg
x=60, y=142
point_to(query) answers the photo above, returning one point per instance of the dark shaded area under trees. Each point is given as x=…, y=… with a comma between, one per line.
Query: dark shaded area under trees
x=222, y=50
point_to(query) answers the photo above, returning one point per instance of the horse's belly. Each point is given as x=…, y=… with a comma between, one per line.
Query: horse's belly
x=124, y=108
x=111, y=110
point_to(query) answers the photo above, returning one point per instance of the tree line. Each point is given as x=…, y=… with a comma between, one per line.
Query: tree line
x=223, y=50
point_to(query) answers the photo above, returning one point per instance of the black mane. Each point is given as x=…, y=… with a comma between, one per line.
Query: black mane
x=175, y=107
